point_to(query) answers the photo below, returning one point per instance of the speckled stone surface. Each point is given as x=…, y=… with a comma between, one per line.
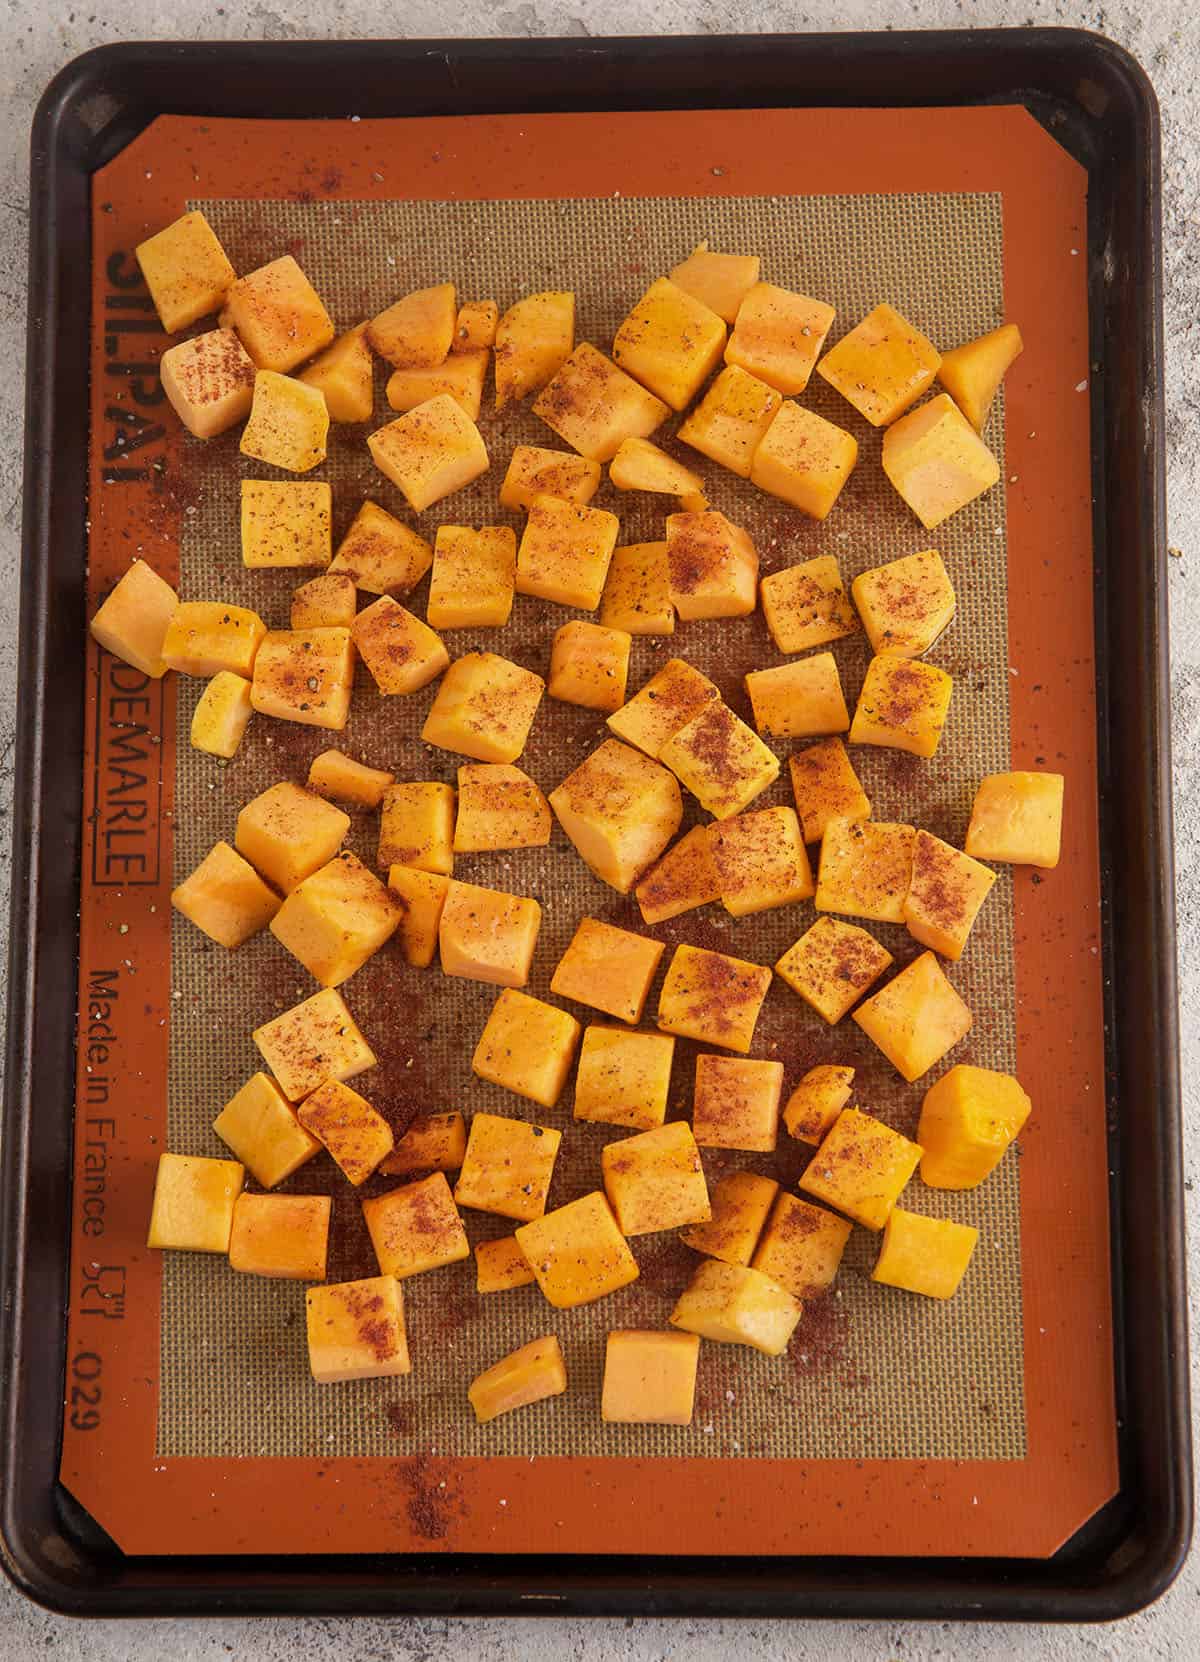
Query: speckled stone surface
x=1165, y=36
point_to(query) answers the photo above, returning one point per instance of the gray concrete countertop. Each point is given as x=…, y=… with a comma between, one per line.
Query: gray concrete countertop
x=1164, y=35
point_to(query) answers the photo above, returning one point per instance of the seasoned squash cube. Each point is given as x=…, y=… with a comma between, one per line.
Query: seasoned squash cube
x=731, y=420
x=722, y=762
x=417, y=330
x=344, y=375
x=801, y=1246
x=906, y=604
x=972, y=373
x=325, y=602
x=882, y=366
x=740, y=1204
x=826, y=787
x=924, y=1255
x=259, y=1124
x=186, y=270
x=865, y=869
x=595, y=406
x=500, y=1265
x=623, y=1078
x=533, y=340
x=589, y=665
x=712, y=998
x=402, y=653
x=527, y=1046
x=487, y=935
x=416, y=1227
x=287, y=832
x=670, y=342
x=429, y=452
x=968, y=1119
x=416, y=826
x=565, y=552
x=736, y=1103
x=225, y=897
x=817, y=1100
x=315, y=1040
x=945, y=895
x=611, y=969
x=799, y=700
x=806, y=605
x=285, y=1237
x=205, y=637
x=804, y=460
x=433, y=1142
x=380, y=554
x=499, y=806
x=535, y=472
x=421, y=896
x=831, y=966
x=861, y=1168
x=649, y=1378
x=620, y=810
x=685, y=877
x=915, y=1018
x=278, y=315
x=531, y=1374
x=220, y=719
x=577, y=1252
x=460, y=377
x=132, y=622
x=937, y=461
x=637, y=593
x=356, y=1136
x=286, y=523
x=507, y=1167
x=355, y=1330
x=335, y=920
x=305, y=675
x=655, y=1180
x=288, y=425
x=902, y=706
x=484, y=708
x=778, y=336
x=1017, y=818
x=475, y=325
x=474, y=577
x=713, y=566
x=761, y=861
x=732, y=1304
x=339, y=778
x=209, y=382
x=720, y=281
x=193, y=1203
x=664, y=705
x=641, y=466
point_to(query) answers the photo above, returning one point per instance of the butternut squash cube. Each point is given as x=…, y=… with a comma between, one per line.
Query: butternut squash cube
x=916, y=1018
x=533, y=341
x=637, y=592
x=416, y=1227
x=945, y=895
x=740, y=1203
x=305, y=675
x=380, y=554
x=225, y=897
x=416, y=826
x=831, y=966
x=722, y=762
x=534, y=472
x=649, y=1378
x=778, y=336
x=416, y=331
x=731, y=420
x=499, y=806
x=132, y=622
x=487, y=935
x=882, y=366
x=325, y=602
x=430, y=451
x=565, y=552
x=209, y=382
x=288, y=425
x=902, y=706
x=402, y=653
x=527, y=1046
x=937, y=461
x=712, y=998
x=220, y=719
x=339, y=778
x=356, y=1136
x=186, y=270
x=507, y=1167
x=284, y=1237
x=736, y=1104
x=259, y=1124
x=907, y=604
x=968, y=1119
x=1017, y=818
x=531, y=1374
x=761, y=861
x=421, y=896
x=623, y=1078
x=288, y=832
x=608, y=968
x=620, y=810
x=685, y=877
x=817, y=1101
x=713, y=566
x=861, y=1168
x=865, y=869
x=799, y=700
x=335, y=920
x=732, y=1304
x=205, y=637
x=595, y=406
x=670, y=342
x=484, y=708
x=475, y=325
x=664, y=705
x=278, y=315
x=474, y=577
x=433, y=1142
x=344, y=375
x=720, y=281
x=801, y=1247
x=315, y=1040
x=460, y=377
x=924, y=1255
x=804, y=460
x=286, y=523
x=641, y=466
x=807, y=606
x=500, y=1265
x=589, y=665
x=355, y=1330
x=577, y=1252
x=826, y=787
x=972, y=373
x=193, y=1203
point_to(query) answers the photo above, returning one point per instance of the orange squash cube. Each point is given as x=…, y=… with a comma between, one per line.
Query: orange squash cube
x=416, y=331
x=533, y=340
x=620, y=810
x=937, y=461
x=488, y=935
x=778, y=336
x=577, y=1252
x=817, y=1101
x=902, y=706
x=288, y=425
x=831, y=966
x=288, y=832
x=209, y=382
x=460, y=377
x=655, y=1180
x=637, y=591
x=801, y=1247
x=500, y=1265
x=225, y=897
x=641, y=466
x=731, y=420
x=345, y=1123
x=325, y=602
x=333, y=921
x=623, y=1077
x=132, y=623
x=565, y=552
x=344, y=375
x=259, y=1124
x=968, y=1119
x=712, y=998
x=720, y=281
x=1017, y=818
x=865, y=869
x=861, y=1168
x=433, y=1142
x=608, y=968
x=589, y=665
x=430, y=451
x=339, y=778
x=278, y=316
x=420, y=896
x=736, y=1104
x=474, y=577
x=355, y=1330
x=806, y=605
x=595, y=406
x=924, y=1255
x=402, y=653
x=734, y=1305
x=220, y=719
x=740, y=1204
x=205, y=637
x=285, y=1237
x=306, y=676
x=484, y=708
x=670, y=342
x=945, y=895
x=286, y=522
x=186, y=270
x=826, y=787
x=666, y=703
x=722, y=762
x=535, y=472
x=315, y=1040
x=499, y=806
x=527, y=1046
x=475, y=325
x=804, y=460
x=416, y=1227
x=882, y=366
x=531, y=1374
x=972, y=373
x=907, y=604
x=713, y=566
x=649, y=1378
x=381, y=554
x=800, y=700
x=685, y=877
x=507, y=1167
x=193, y=1203
x=916, y=1018
x=761, y=861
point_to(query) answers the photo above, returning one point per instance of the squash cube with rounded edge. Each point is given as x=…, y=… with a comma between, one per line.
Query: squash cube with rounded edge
x=902, y=706
x=460, y=377
x=712, y=998
x=865, y=869
x=401, y=653
x=720, y=281
x=595, y=406
x=800, y=700
x=499, y=807
x=288, y=425
x=278, y=316
x=484, y=708
x=285, y=1237
x=306, y=676
x=589, y=665
x=534, y=471
x=665, y=704
x=806, y=605
x=381, y=554
x=565, y=552
x=831, y=966
x=882, y=366
x=133, y=620
x=193, y=1203
x=474, y=577
x=968, y=1119
x=259, y=1124
x=641, y=466
x=527, y=1046
x=804, y=459
x=740, y=1204
x=345, y=1123
x=826, y=787
x=325, y=602
x=339, y=778
x=937, y=461
x=433, y=1142
x=533, y=340
x=713, y=566
x=209, y=382
x=761, y=861
x=637, y=591
x=421, y=896
x=801, y=1247
x=670, y=342
x=531, y=1374
x=344, y=375
x=225, y=897
x=500, y=1265
x=722, y=762
x=355, y=1330
x=620, y=810
x=685, y=877
x=972, y=373
x=429, y=452
x=608, y=968
x=286, y=522
x=475, y=325
x=778, y=336
x=288, y=832
x=416, y=1227
x=507, y=1167
x=945, y=895
x=649, y=1378
x=817, y=1101
x=623, y=1077
x=220, y=719
x=315, y=1040
x=916, y=1018
x=416, y=826
x=731, y=420
x=186, y=270
x=416, y=331
x=924, y=1255
x=488, y=935
x=861, y=1168
x=577, y=1252
x=734, y=1305
x=736, y=1104
x=907, y=604
x=333, y=921
x=205, y=637
x=1016, y=818
x=655, y=1180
